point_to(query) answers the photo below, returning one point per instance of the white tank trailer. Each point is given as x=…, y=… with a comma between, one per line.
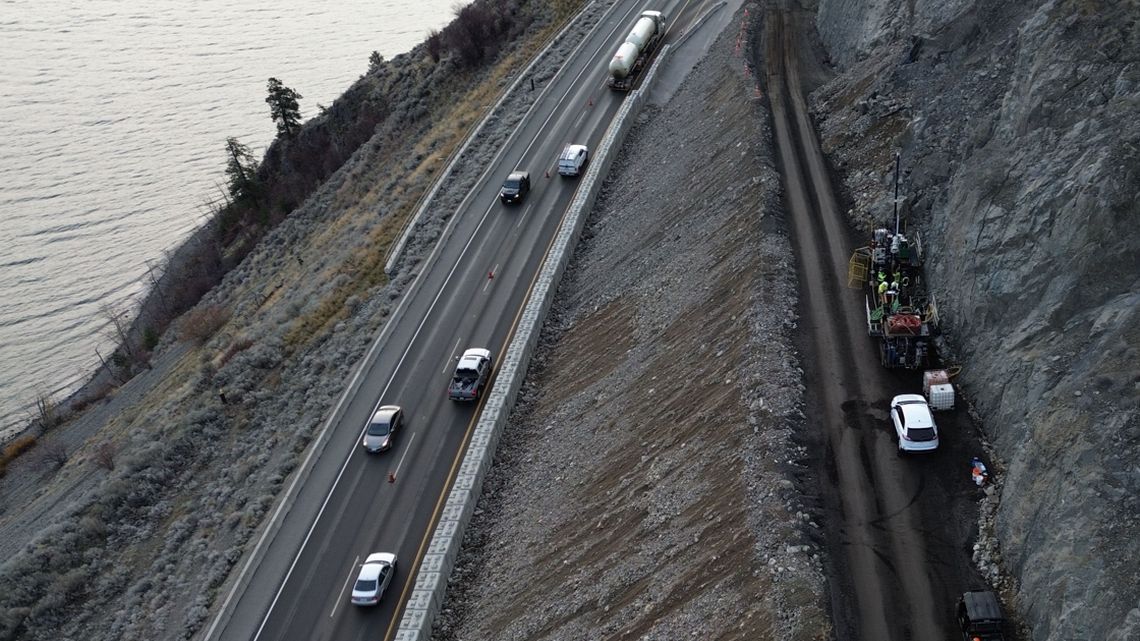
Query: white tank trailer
x=638, y=47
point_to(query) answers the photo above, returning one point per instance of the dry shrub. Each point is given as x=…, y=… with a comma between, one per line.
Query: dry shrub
x=47, y=411
x=434, y=45
x=105, y=455
x=95, y=395
x=239, y=345
x=200, y=323
x=52, y=455
x=473, y=34
x=12, y=450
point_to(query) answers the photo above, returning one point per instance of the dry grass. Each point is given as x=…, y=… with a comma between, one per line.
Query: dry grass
x=105, y=454
x=240, y=344
x=14, y=449
x=94, y=396
x=365, y=266
x=200, y=323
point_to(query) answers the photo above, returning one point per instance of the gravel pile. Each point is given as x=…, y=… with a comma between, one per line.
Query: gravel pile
x=646, y=484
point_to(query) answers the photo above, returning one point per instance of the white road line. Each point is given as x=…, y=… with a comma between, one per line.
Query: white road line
x=452, y=353
x=494, y=270
x=396, y=473
x=523, y=215
x=348, y=578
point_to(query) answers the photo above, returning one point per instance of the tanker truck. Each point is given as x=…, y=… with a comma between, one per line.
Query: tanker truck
x=635, y=52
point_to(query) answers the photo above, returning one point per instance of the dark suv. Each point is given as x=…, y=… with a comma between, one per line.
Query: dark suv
x=515, y=187
x=980, y=618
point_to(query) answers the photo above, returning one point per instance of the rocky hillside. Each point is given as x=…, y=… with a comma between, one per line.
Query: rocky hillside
x=1020, y=139
x=644, y=487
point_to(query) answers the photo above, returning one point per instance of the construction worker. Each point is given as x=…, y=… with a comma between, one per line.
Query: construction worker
x=882, y=276
x=883, y=287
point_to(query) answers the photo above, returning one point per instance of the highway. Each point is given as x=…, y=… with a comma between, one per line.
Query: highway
x=468, y=294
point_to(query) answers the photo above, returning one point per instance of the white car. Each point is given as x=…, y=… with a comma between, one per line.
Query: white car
x=914, y=424
x=374, y=577
x=573, y=160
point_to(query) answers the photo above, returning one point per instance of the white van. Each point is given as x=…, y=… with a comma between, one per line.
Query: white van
x=573, y=160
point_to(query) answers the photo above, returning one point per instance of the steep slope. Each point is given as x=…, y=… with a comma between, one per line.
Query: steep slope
x=1020, y=141
x=645, y=486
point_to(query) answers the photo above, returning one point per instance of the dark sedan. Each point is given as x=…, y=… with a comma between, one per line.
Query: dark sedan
x=386, y=421
x=515, y=187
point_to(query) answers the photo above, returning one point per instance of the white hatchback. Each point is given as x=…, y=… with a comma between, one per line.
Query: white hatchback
x=914, y=424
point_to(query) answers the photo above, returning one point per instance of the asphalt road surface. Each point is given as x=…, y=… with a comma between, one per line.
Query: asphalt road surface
x=469, y=294
x=897, y=530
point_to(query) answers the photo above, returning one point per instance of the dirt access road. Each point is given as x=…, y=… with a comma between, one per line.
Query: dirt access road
x=899, y=531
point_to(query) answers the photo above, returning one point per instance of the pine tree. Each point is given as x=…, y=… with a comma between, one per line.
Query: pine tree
x=241, y=170
x=283, y=108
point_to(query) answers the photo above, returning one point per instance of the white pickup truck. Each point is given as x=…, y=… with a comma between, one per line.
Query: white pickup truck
x=471, y=375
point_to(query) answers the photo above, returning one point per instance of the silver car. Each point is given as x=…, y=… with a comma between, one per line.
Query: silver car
x=374, y=577
x=914, y=424
x=381, y=430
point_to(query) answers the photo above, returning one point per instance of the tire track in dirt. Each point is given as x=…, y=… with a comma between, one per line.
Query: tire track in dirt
x=878, y=566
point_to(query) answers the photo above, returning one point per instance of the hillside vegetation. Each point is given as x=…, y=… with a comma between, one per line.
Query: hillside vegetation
x=162, y=473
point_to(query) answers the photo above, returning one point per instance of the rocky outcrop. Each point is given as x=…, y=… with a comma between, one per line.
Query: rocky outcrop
x=1020, y=142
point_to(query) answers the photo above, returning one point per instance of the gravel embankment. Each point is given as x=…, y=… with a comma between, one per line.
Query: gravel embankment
x=645, y=486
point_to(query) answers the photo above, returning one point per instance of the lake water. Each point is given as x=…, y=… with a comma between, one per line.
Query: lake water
x=114, y=116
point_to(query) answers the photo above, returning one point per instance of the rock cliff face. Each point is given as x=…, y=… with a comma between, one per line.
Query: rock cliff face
x=1020, y=139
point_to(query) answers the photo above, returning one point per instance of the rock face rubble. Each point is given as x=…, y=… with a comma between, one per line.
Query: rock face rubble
x=1020, y=140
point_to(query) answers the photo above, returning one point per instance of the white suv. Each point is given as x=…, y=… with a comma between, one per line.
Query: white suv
x=914, y=425
x=573, y=160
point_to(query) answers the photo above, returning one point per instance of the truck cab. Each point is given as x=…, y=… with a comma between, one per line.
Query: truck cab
x=980, y=617
x=471, y=375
